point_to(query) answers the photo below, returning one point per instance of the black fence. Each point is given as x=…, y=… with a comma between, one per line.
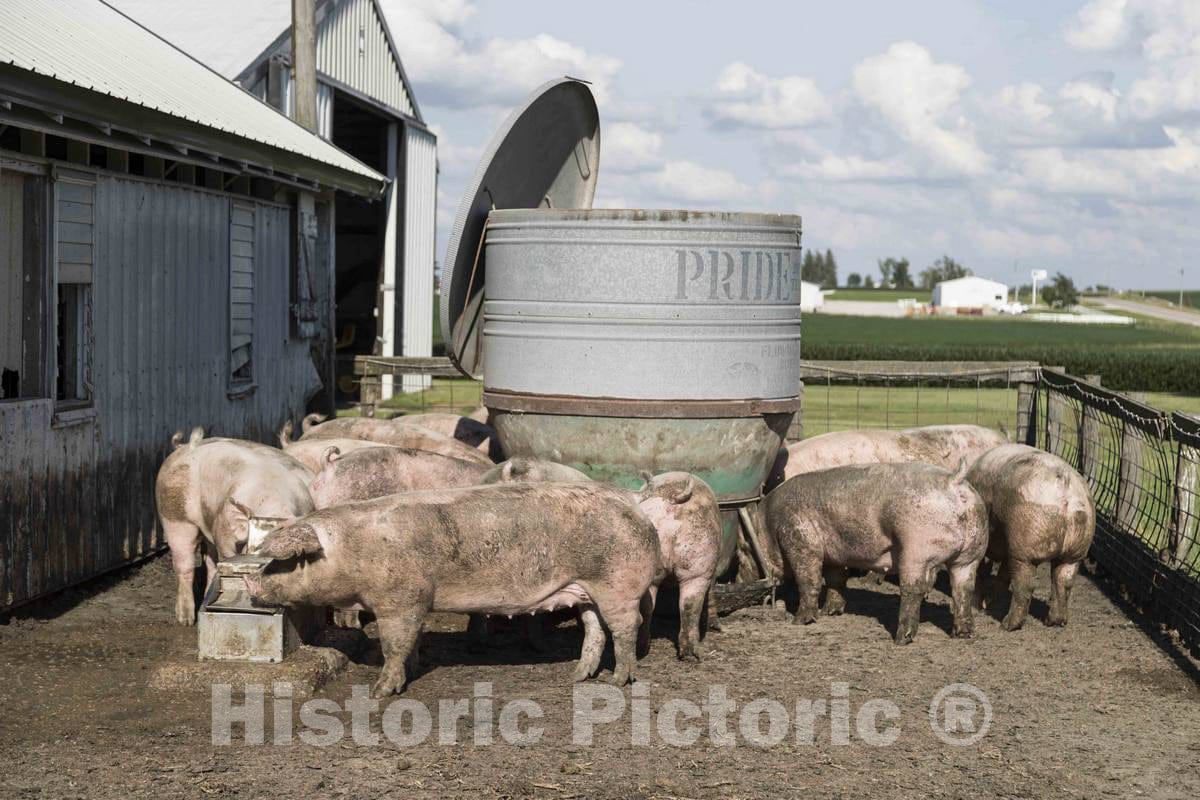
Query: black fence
x=1142, y=465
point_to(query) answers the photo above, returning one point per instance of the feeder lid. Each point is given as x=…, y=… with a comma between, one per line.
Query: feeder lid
x=545, y=155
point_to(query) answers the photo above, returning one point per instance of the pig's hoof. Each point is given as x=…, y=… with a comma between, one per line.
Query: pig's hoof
x=386, y=686
x=185, y=613
x=1011, y=623
x=582, y=673
x=905, y=635
x=833, y=608
x=1056, y=620
x=346, y=619
x=689, y=654
x=804, y=618
x=621, y=676
x=964, y=632
x=714, y=624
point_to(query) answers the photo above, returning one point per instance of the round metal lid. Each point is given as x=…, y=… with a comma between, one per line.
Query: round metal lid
x=545, y=155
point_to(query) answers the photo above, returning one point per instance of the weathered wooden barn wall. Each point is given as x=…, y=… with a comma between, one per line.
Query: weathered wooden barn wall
x=77, y=499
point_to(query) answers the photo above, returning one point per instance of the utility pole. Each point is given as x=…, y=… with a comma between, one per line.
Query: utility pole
x=1181, y=287
x=304, y=61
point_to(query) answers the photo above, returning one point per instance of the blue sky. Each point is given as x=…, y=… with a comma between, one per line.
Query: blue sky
x=1016, y=135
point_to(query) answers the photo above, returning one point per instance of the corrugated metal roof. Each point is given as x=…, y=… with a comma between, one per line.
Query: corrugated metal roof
x=233, y=35
x=91, y=45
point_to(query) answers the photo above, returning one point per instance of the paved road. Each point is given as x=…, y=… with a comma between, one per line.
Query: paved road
x=1160, y=312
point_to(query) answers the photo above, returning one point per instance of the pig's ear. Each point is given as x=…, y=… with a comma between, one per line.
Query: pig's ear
x=331, y=455
x=176, y=440
x=290, y=541
x=285, y=434
x=311, y=420
x=646, y=476
x=685, y=492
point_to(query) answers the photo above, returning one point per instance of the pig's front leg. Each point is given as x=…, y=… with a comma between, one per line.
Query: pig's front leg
x=835, y=587
x=398, y=632
x=1023, y=574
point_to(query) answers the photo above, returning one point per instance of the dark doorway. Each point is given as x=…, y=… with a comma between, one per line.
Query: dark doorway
x=359, y=232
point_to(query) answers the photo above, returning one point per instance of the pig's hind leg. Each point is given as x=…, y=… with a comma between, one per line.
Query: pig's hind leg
x=692, y=594
x=1023, y=574
x=1062, y=576
x=399, y=630
x=835, y=587
x=805, y=562
x=646, y=609
x=593, y=644
x=621, y=617
x=182, y=537
x=914, y=572
x=962, y=598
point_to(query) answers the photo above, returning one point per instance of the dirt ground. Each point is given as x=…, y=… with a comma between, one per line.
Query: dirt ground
x=1097, y=708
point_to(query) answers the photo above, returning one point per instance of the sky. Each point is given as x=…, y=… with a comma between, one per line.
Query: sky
x=1009, y=135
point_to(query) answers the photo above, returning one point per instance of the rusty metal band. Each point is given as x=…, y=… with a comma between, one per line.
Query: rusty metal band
x=646, y=409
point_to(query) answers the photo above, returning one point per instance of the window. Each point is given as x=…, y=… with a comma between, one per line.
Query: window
x=241, y=294
x=23, y=269
x=74, y=241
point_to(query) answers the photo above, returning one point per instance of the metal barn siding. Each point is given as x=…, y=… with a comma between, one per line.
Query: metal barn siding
x=77, y=499
x=353, y=49
x=420, y=220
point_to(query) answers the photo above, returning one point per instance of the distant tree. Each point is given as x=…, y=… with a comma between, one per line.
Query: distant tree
x=1103, y=288
x=868, y=282
x=829, y=273
x=810, y=267
x=1061, y=292
x=944, y=269
x=854, y=280
x=895, y=273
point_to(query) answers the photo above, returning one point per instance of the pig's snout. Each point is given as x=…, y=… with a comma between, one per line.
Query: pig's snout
x=253, y=586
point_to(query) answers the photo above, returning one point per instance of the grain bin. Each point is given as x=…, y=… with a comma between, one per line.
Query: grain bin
x=617, y=341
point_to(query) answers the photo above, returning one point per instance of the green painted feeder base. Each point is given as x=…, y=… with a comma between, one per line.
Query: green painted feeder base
x=731, y=445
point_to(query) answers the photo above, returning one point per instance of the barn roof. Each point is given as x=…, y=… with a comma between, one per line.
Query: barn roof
x=355, y=47
x=74, y=58
x=970, y=279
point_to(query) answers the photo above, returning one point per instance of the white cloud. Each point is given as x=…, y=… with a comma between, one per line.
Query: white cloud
x=688, y=182
x=455, y=71
x=627, y=147
x=745, y=98
x=917, y=98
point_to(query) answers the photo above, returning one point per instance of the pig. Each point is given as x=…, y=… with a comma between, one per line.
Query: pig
x=395, y=433
x=378, y=471
x=685, y=515
x=503, y=549
x=210, y=488
x=942, y=445
x=1039, y=509
x=531, y=470
x=465, y=429
x=910, y=518
x=311, y=452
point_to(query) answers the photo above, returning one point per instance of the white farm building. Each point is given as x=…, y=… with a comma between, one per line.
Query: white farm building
x=811, y=297
x=970, y=292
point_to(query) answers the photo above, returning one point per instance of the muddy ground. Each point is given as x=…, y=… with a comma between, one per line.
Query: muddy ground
x=1095, y=709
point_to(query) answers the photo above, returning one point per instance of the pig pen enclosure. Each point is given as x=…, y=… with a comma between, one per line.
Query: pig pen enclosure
x=103, y=703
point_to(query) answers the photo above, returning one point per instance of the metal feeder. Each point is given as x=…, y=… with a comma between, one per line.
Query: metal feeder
x=232, y=627
x=618, y=341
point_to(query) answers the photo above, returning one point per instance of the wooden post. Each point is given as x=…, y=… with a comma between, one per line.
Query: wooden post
x=1089, y=438
x=1027, y=413
x=1129, y=486
x=1185, y=527
x=304, y=61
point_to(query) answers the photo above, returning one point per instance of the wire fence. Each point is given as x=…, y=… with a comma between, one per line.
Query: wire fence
x=1142, y=465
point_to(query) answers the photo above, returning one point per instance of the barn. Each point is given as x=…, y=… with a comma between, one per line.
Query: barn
x=384, y=252
x=166, y=260
x=971, y=291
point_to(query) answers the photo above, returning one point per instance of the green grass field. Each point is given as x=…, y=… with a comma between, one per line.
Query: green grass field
x=881, y=295
x=1191, y=297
